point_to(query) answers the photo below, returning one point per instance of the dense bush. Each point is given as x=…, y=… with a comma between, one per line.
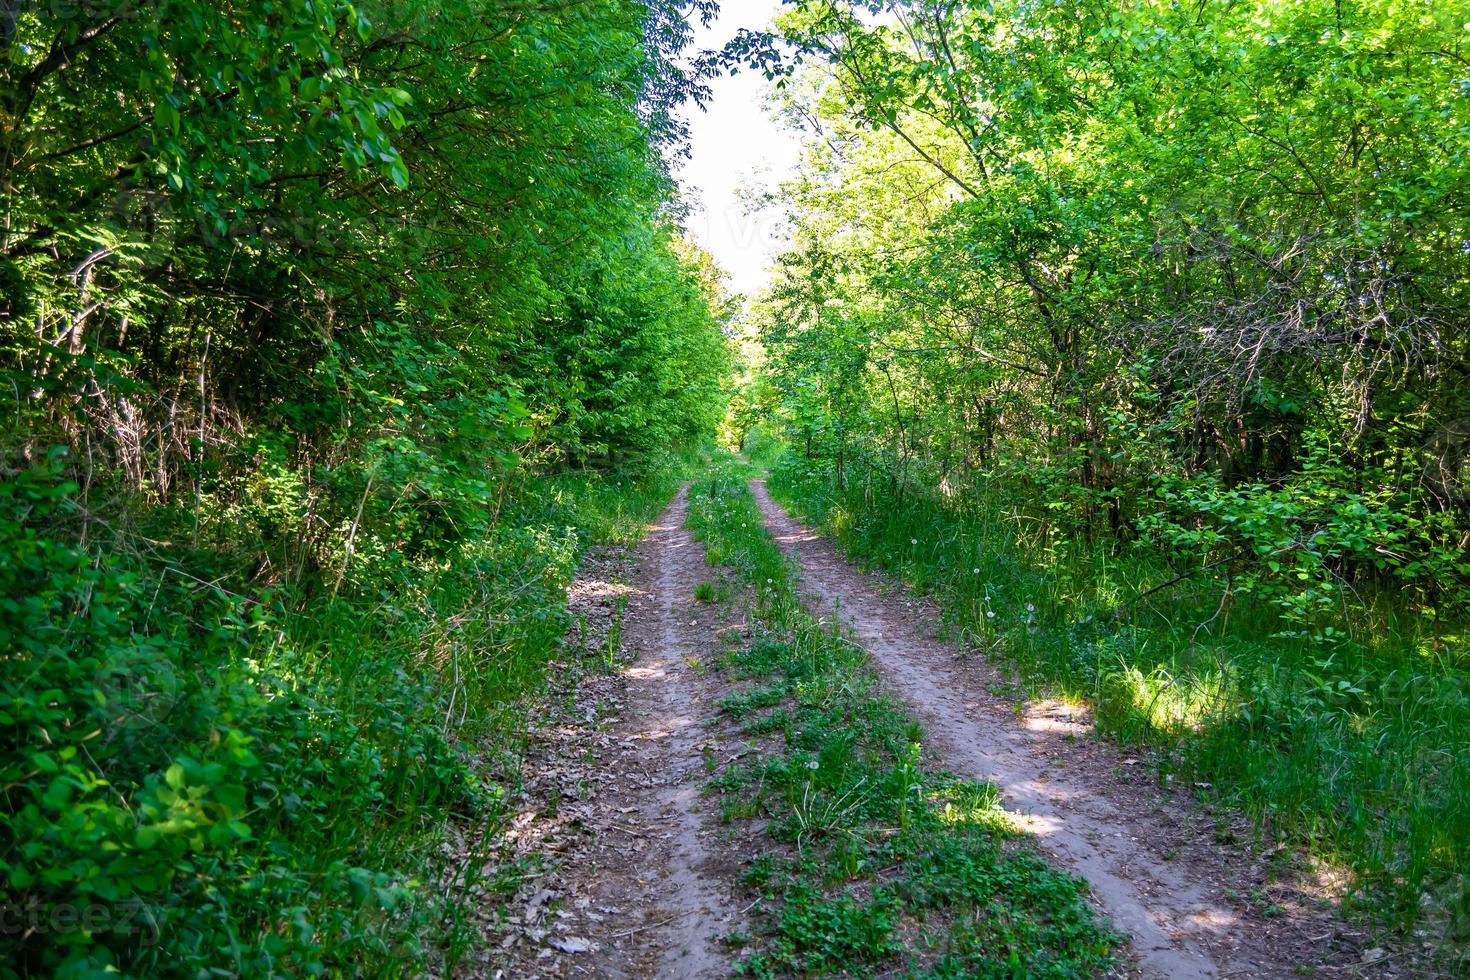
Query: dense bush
x=196, y=774
x=330, y=336
x=1157, y=266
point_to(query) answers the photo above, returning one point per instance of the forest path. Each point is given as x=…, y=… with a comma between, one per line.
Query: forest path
x=643, y=888
x=675, y=702
x=1195, y=900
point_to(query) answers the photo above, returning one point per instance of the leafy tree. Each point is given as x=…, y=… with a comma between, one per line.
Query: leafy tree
x=305, y=308
x=1116, y=244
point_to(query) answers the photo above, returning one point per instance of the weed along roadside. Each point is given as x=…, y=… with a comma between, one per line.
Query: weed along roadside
x=863, y=855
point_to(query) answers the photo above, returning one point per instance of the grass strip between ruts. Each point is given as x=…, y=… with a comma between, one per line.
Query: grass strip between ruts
x=871, y=860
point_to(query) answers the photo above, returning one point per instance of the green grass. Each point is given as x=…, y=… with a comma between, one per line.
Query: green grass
x=261, y=781
x=875, y=862
x=1362, y=754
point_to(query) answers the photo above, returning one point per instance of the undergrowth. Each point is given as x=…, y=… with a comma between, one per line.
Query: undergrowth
x=1359, y=748
x=203, y=776
x=875, y=861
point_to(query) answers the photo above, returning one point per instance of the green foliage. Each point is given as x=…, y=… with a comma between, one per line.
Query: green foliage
x=330, y=336
x=1294, y=543
x=878, y=863
x=1140, y=335
x=1351, y=740
x=207, y=208
x=180, y=771
x=1125, y=267
x=201, y=779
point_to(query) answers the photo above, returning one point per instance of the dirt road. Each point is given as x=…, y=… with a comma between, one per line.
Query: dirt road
x=642, y=886
x=643, y=882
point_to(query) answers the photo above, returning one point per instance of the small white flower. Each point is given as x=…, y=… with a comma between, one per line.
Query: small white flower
x=770, y=581
x=1030, y=607
x=913, y=540
x=975, y=571
x=812, y=764
x=990, y=614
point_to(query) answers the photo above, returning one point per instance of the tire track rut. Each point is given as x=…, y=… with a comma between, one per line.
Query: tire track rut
x=641, y=884
x=662, y=684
